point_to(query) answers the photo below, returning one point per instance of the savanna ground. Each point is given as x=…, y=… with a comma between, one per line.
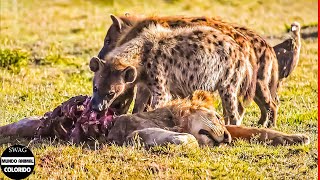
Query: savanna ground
x=44, y=54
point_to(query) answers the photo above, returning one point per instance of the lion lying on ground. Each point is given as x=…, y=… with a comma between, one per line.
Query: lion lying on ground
x=181, y=121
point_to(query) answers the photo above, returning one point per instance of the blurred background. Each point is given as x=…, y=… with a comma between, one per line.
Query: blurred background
x=78, y=26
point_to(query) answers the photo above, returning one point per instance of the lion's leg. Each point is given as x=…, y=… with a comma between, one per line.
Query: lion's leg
x=23, y=128
x=266, y=135
x=157, y=136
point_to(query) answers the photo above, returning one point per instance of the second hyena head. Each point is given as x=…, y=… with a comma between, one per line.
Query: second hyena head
x=109, y=82
x=118, y=26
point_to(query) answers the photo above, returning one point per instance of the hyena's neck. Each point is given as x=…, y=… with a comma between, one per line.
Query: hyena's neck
x=128, y=54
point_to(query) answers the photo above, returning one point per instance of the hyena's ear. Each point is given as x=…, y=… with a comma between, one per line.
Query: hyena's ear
x=95, y=64
x=129, y=74
x=117, y=22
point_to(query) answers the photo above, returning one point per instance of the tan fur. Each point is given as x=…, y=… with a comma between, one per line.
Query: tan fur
x=266, y=135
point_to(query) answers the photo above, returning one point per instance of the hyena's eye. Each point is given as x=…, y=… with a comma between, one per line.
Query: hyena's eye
x=95, y=89
x=107, y=42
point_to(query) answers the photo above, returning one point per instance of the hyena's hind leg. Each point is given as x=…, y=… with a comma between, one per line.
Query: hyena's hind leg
x=275, y=98
x=265, y=95
x=263, y=116
x=266, y=104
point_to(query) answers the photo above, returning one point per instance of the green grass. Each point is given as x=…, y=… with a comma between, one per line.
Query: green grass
x=45, y=50
x=13, y=59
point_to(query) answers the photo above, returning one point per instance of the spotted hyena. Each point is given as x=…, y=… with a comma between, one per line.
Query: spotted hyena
x=261, y=54
x=174, y=63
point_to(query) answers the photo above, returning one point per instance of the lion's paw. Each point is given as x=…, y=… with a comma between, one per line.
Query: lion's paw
x=291, y=139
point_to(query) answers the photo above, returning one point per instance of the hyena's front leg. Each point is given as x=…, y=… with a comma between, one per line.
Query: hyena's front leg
x=143, y=95
x=263, y=117
x=123, y=102
x=230, y=105
x=159, y=94
x=157, y=83
x=241, y=111
x=159, y=98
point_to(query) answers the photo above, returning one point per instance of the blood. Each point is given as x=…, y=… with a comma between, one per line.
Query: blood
x=74, y=120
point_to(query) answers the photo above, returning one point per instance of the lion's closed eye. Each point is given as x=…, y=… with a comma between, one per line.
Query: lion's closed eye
x=205, y=132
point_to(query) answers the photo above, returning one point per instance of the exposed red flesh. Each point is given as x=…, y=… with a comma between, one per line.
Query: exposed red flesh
x=74, y=120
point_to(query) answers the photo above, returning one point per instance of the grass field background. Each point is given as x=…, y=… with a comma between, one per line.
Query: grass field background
x=44, y=54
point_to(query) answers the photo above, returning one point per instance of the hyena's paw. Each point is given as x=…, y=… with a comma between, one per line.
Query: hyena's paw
x=291, y=139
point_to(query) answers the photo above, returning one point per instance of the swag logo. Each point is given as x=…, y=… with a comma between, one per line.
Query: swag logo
x=17, y=162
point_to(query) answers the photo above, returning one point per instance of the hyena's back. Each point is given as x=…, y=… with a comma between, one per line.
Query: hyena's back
x=196, y=58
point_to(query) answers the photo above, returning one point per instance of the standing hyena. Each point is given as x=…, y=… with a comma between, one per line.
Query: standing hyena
x=176, y=62
x=261, y=55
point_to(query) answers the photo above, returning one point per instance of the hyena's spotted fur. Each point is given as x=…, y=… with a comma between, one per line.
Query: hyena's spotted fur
x=178, y=22
x=176, y=62
x=260, y=53
x=268, y=77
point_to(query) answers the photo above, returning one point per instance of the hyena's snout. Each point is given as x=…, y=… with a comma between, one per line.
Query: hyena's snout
x=97, y=104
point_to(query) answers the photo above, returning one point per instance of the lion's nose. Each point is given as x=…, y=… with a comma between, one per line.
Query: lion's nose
x=227, y=137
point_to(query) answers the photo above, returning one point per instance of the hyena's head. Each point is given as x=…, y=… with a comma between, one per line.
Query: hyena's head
x=118, y=26
x=109, y=82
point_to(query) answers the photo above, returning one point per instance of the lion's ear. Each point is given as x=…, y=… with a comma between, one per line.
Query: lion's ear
x=117, y=22
x=129, y=74
x=95, y=64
